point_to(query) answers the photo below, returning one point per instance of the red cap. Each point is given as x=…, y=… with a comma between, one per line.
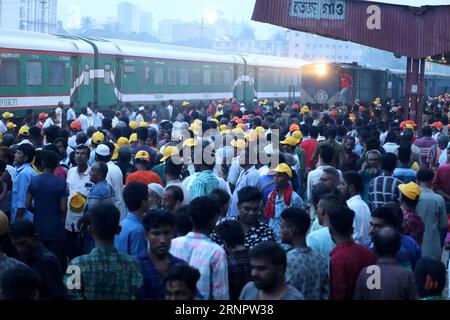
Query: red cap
x=438, y=125
x=76, y=125
x=43, y=116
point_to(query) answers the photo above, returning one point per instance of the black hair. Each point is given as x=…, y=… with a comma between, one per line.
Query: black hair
x=133, y=195
x=103, y=168
x=392, y=136
x=111, y=147
x=425, y=175
x=326, y=153
x=329, y=202
x=22, y=228
x=387, y=242
x=104, y=221
x=62, y=140
x=81, y=138
x=341, y=220
x=20, y=283
x=248, y=194
x=156, y=218
x=83, y=147
x=271, y=251
x=388, y=162
x=353, y=178
x=410, y=202
x=231, y=232
x=28, y=150
x=332, y=171
x=50, y=160
x=404, y=154
x=183, y=221
x=177, y=193
x=142, y=133
x=221, y=197
x=297, y=218
x=35, y=133
x=203, y=210
x=173, y=169
x=184, y=273
x=116, y=132
x=427, y=132
x=435, y=271
x=318, y=191
x=51, y=133
x=388, y=215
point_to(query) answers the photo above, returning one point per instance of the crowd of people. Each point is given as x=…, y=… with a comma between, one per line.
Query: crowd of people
x=225, y=201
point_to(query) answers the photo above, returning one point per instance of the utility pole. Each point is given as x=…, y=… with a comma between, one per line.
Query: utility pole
x=43, y=3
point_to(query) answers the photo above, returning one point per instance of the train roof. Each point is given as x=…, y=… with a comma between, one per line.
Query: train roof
x=274, y=62
x=26, y=40
x=156, y=50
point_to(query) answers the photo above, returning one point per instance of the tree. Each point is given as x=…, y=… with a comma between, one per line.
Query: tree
x=247, y=32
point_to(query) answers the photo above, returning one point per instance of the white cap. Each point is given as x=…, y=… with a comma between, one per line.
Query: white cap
x=156, y=188
x=103, y=150
x=142, y=108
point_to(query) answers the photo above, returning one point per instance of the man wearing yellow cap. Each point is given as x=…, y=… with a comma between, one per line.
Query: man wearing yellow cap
x=6, y=117
x=413, y=224
x=143, y=174
x=281, y=198
x=289, y=145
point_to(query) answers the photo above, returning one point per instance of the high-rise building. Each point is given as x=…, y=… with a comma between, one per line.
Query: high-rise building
x=127, y=17
x=29, y=15
x=146, y=22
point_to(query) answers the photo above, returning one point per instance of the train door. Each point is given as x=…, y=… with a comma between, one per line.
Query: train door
x=250, y=84
x=119, y=70
x=75, y=72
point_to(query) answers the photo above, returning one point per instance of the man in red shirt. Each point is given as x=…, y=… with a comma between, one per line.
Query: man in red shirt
x=346, y=81
x=309, y=145
x=143, y=173
x=441, y=182
x=348, y=258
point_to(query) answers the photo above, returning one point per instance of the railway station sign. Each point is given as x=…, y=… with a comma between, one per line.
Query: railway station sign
x=318, y=9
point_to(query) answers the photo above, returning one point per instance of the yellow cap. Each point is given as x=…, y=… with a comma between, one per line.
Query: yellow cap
x=98, y=137
x=123, y=142
x=305, y=109
x=284, y=168
x=11, y=125
x=409, y=126
x=186, y=104
x=116, y=152
x=251, y=136
x=4, y=223
x=133, y=125
x=133, y=137
x=214, y=120
x=290, y=141
x=298, y=136
x=142, y=155
x=8, y=115
x=189, y=143
x=410, y=190
x=24, y=131
x=260, y=131
x=239, y=144
x=143, y=124
x=240, y=125
x=223, y=127
x=237, y=130
x=218, y=114
x=197, y=122
x=169, y=152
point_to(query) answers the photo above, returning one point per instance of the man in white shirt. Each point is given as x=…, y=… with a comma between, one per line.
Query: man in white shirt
x=50, y=121
x=351, y=188
x=97, y=118
x=140, y=116
x=170, y=108
x=58, y=114
x=71, y=115
x=114, y=177
x=83, y=119
x=6, y=117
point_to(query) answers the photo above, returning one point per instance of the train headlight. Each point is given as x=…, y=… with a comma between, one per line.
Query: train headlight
x=321, y=69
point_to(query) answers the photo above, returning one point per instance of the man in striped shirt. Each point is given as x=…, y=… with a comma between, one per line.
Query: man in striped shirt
x=384, y=188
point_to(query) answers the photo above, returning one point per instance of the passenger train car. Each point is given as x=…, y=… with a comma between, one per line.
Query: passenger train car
x=321, y=83
x=39, y=70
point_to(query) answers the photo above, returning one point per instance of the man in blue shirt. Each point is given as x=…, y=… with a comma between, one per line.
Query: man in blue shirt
x=131, y=239
x=22, y=160
x=159, y=230
x=102, y=193
x=47, y=200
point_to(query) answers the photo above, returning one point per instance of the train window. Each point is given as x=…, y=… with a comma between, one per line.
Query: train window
x=172, y=76
x=195, y=77
x=57, y=73
x=145, y=75
x=227, y=78
x=184, y=77
x=108, y=73
x=207, y=75
x=9, y=72
x=159, y=76
x=34, y=73
x=86, y=74
x=217, y=77
x=130, y=68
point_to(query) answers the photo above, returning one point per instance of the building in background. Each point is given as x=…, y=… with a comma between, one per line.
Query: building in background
x=29, y=15
x=146, y=22
x=263, y=47
x=127, y=17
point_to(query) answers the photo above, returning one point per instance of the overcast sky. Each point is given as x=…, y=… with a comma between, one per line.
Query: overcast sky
x=188, y=10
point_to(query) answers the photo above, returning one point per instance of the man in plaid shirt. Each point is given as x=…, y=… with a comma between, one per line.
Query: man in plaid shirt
x=384, y=189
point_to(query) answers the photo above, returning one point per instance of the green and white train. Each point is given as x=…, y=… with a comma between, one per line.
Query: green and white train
x=40, y=70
